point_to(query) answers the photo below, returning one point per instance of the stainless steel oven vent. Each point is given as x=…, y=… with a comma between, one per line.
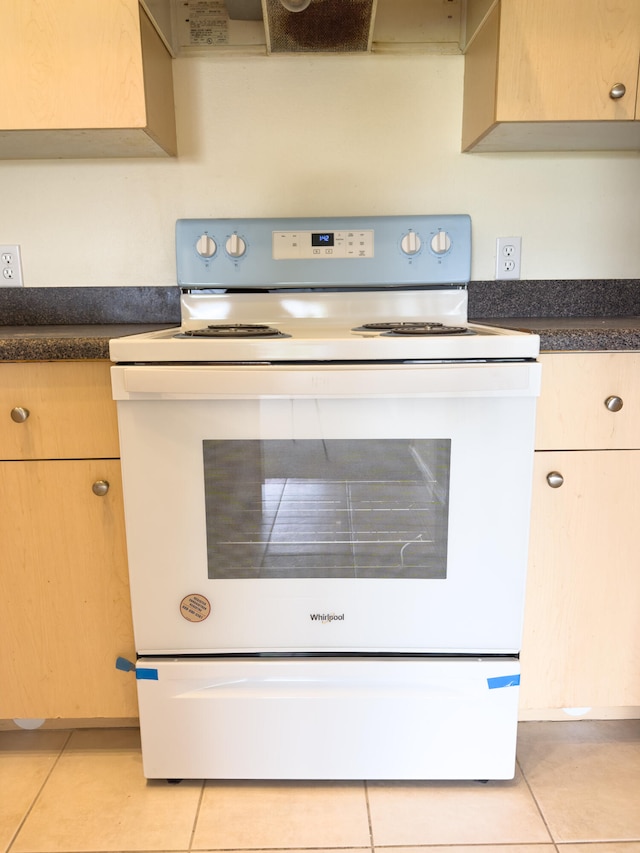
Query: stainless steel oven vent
x=332, y=26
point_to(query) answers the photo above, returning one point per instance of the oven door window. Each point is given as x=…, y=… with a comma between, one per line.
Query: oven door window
x=333, y=508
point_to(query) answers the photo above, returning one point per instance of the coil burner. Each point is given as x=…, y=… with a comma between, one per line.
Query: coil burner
x=423, y=328
x=233, y=330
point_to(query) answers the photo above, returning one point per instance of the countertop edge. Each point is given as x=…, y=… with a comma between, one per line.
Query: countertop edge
x=60, y=343
x=613, y=334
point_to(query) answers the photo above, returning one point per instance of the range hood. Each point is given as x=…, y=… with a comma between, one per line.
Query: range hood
x=320, y=26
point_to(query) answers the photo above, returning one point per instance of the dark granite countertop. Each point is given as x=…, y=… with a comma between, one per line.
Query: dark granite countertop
x=586, y=315
x=52, y=323
x=577, y=333
x=53, y=343
x=77, y=323
x=77, y=306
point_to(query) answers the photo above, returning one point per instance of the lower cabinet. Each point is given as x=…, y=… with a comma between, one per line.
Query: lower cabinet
x=65, y=602
x=64, y=610
x=581, y=644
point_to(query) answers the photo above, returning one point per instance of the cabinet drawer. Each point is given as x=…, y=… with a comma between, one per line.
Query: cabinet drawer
x=577, y=409
x=67, y=411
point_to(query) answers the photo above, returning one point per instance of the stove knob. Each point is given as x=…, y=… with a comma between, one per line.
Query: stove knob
x=235, y=246
x=206, y=246
x=410, y=243
x=440, y=243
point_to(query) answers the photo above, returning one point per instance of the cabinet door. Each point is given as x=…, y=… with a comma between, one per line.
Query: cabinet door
x=83, y=78
x=67, y=406
x=559, y=60
x=71, y=65
x=539, y=76
x=589, y=401
x=581, y=645
x=64, y=609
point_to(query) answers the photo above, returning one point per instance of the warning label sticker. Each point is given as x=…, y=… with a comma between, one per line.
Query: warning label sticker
x=207, y=22
x=195, y=607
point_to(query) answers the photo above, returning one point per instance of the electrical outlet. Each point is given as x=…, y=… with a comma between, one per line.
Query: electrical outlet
x=10, y=267
x=508, y=251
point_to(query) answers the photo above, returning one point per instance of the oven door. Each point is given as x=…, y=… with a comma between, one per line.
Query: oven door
x=337, y=508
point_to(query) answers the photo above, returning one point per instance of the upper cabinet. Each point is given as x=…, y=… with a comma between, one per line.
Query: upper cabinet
x=552, y=75
x=83, y=78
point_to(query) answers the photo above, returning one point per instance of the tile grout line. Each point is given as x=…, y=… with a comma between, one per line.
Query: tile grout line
x=316, y=849
x=369, y=820
x=475, y=845
x=196, y=816
x=386, y=847
x=39, y=792
x=538, y=807
x=390, y=847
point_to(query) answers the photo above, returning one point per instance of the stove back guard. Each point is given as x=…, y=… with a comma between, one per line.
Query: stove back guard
x=436, y=252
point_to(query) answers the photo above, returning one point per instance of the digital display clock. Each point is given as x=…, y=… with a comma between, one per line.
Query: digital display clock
x=322, y=239
x=322, y=246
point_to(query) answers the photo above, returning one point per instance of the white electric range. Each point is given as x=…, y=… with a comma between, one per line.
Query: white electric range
x=327, y=474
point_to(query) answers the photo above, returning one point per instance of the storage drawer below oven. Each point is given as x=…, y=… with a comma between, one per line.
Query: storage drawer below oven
x=324, y=718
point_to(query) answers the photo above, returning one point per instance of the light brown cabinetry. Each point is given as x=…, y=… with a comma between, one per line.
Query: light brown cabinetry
x=83, y=78
x=543, y=76
x=581, y=645
x=64, y=609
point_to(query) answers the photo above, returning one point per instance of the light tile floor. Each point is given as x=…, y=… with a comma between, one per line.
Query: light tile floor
x=577, y=789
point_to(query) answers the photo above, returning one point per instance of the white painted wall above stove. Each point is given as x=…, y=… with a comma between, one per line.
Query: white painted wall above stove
x=313, y=135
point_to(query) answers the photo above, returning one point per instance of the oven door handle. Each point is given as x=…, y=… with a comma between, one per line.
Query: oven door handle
x=196, y=382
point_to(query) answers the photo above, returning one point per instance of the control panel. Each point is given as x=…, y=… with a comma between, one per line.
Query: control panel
x=352, y=252
x=318, y=245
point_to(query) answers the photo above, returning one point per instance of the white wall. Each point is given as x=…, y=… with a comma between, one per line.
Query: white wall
x=316, y=135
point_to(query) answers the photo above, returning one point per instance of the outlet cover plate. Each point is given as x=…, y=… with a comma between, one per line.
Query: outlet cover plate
x=508, y=253
x=10, y=266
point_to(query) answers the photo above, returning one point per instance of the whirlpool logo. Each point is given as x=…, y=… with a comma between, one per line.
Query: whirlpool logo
x=326, y=618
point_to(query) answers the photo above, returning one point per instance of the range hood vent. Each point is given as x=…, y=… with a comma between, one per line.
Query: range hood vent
x=332, y=26
x=324, y=26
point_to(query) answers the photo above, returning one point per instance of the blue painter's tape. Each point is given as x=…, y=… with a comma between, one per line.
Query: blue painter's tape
x=124, y=664
x=503, y=681
x=146, y=674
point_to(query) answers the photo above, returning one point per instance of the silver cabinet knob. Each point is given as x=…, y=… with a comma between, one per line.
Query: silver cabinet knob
x=100, y=488
x=19, y=414
x=618, y=91
x=555, y=479
x=613, y=403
